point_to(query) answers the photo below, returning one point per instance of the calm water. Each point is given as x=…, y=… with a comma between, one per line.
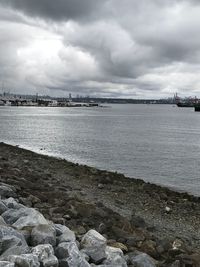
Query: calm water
x=158, y=143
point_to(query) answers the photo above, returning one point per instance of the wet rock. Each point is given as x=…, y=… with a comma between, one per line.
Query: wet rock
x=43, y=234
x=94, y=245
x=45, y=254
x=28, y=260
x=115, y=257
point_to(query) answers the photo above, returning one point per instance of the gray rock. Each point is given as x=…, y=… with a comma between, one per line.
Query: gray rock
x=64, y=234
x=12, y=215
x=28, y=260
x=61, y=251
x=94, y=245
x=6, y=264
x=31, y=218
x=11, y=242
x=3, y=207
x=11, y=203
x=43, y=234
x=6, y=191
x=45, y=254
x=75, y=257
x=60, y=229
x=15, y=250
x=105, y=265
x=8, y=232
x=114, y=257
x=142, y=260
x=2, y=222
x=62, y=263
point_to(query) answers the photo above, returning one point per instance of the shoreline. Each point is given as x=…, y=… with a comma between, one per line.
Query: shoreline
x=43, y=152
x=139, y=214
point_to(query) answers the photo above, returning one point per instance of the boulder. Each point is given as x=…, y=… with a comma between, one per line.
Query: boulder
x=31, y=218
x=28, y=260
x=3, y=207
x=94, y=245
x=43, y=234
x=115, y=257
x=12, y=215
x=6, y=264
x=61, y=251
x=45, y=254
x=11, y=203
x=7, y=232
x=142, y=260
x=12, y=242
x=6, y=191
x=64, y=234
x=75, y=258
x=2, y=222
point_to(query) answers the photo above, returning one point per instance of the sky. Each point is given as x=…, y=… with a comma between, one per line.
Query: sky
x=101, y=48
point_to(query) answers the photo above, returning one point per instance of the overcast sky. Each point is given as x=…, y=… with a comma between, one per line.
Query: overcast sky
x=110, y=48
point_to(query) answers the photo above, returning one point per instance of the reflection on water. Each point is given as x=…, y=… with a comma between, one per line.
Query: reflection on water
x=159, y=143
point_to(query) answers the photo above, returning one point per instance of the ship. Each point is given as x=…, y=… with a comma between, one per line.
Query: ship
x=186, y=102
x=197, y=107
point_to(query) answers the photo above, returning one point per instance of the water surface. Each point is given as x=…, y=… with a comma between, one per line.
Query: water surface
x=158, y=143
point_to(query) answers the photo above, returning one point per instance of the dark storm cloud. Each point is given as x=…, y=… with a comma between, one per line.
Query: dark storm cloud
x=101, y=47
x=57, y=9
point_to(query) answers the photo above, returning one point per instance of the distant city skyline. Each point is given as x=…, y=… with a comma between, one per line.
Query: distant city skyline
x=103, y=48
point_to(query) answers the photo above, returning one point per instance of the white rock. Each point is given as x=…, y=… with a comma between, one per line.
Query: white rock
x=75, y=258
x=32, y=218
x=11, y=203
x=64, y=234
x=28, y=260
x=6, y=264
x=94, y=245
x=45, y=254
x=114, y=256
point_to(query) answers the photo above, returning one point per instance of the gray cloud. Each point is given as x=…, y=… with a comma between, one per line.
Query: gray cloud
x=57, y=10
x=102, y=47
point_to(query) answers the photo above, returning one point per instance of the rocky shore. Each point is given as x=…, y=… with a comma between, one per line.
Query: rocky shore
x=56, y=213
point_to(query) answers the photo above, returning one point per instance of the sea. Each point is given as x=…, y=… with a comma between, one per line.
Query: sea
x=157, y=143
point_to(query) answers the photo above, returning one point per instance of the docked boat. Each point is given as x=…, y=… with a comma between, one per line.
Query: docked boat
x=185, y=104
x=197, y=107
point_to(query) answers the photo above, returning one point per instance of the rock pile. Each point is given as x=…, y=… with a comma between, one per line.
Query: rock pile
x=28, y=239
